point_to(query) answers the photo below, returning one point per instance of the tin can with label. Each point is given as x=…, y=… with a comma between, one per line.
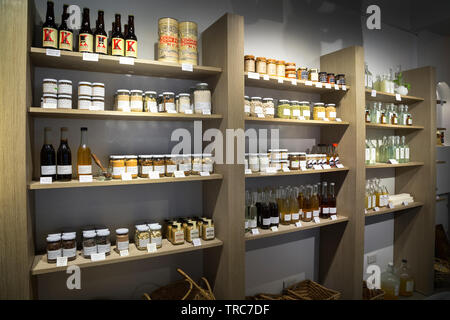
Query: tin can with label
x=168, y=40
x=188, y=42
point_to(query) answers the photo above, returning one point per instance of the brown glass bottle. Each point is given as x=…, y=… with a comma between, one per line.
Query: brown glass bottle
x=367, y=116
x=117, y=40
x=64, y=159
x=324, y=205
x=131, y=39
x=85, y=38
x=65, y=34
x=301, y=199
x=48, y=159
x=332, y=200
x=49, y=28
x=101, y=38
x=84, y=160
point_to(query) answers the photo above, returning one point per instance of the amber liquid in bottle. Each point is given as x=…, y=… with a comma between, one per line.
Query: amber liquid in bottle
x=84, y=160
x=324, y=208
x=307, y=208
x=332, y=200
x=315, y=202
x=301, y=200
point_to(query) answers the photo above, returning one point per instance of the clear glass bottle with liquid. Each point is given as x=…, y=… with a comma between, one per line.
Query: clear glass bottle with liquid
x=307, y=205
x=390, y=283
x=300, y=200
x=283, y=206
x=406, y=150
x=293, y=201
x=367, y=152
x=368, y=78
x=368, y=197
x=406, y=279
x=84, y=160
x=253, y=211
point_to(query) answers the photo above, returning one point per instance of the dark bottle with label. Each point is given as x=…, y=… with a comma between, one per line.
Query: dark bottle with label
x=64, y=159
x=65, y=34
x=85, y=38
x=264, y=212
x=48, y=158
x=49, y=29
x=332, y=200
x=324, y=208
x=274, y=214
x=117, y=40
x=101, y=38
x=131, y=39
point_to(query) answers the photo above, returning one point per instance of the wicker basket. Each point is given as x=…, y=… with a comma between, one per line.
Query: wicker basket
x=441, y=273
x=310, y=290
x=372, y=294
x=268, y=296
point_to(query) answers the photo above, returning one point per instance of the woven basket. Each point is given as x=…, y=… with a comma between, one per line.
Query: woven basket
x=310, y=290
x=441, y=273
x=372, y=294
x=268, y=296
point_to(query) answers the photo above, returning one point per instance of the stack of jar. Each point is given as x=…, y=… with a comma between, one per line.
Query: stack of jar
x=187, y=229
x=56, y=94
x=61, y=245
x=389, y=113
x=145, y=234
x=91, y=96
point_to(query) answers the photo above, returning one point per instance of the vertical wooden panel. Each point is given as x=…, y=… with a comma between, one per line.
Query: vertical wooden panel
x=223, y=46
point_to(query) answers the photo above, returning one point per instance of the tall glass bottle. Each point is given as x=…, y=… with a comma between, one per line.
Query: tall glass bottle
x=247, y=206
x=265, y=212
x=48, y=158
x=406, y=148
x=332, y=200
x=406, y=279
x=324, y=206
x=65, y=34
x=295, y=210
x=131, y=43
x=368, y=197
x=85, y=38
x=117, y=40
x=284, y=207
x=402, y=150
x=315, y=203
x=101, y=38
x=84, y=160
x=307, y=205
x=253, y=211
x=368, y=78
x=301, y=199
x=390, y=283
x=397, y=148
x=49, y=28
x=274, y=213
x=367, y=152
x=64, y=159
x=373, y=152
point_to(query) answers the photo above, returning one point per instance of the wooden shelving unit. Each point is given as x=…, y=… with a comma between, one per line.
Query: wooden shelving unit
x=296, y=122
x=392, y=126
x=399, y=165
x=294, y=173
x=391, y=98
x=371, y=213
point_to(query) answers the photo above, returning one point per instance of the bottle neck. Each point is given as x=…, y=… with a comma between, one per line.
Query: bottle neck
x=86, y=21
x=83, y=141
x=50, y=16
x=117, y=24
x=131, y=25
x=101, y=21
x=332, y=190
x=63, y=136
x=46, y=136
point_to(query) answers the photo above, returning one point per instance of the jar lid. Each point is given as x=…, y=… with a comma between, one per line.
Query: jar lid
x=150, y=92
x=290, y=64
x=97, y=84
x=63, y=81
x=49, y=95
x=331, y=105
x=294, y=101
x=275, y=150
x=158, y=156
x=89, y=234
x=260, y=59
x=123, y=91
x=280, y=62
x=268, y=99
x=86, y=83
x=155, y=226
x=131, y=157
x=122, y=231
x=319, y=104
x=271, y=61
x=184, y=95
x=67, y=237
x=201, y=85
x=145, y=156
x=256, y=98
x=65, y=96
x=293, y=153
x=142, y=228
x=98, y=98
x=249, y=56
x=304, y=102
x=54, y=234
x=253, y=154
x=49, y=80
x=341, y=75
x=69, y=233
x=322, y=72
x=167, y=93
x=283, y=101
x=283, y=150
x=313, y=70
x=82, y=97
x=53, y=238
x=103, y=233
x=136, y=91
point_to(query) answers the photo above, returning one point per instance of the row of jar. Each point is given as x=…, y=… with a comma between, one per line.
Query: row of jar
x=85, y=88
x=377, y=112
x=265, y=108
x=166, y=165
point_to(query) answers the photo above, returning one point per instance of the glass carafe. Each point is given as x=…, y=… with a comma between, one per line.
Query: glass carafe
x=406, y=279
x=390, y=283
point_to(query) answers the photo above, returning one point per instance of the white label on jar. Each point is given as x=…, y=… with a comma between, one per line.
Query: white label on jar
x=123, y=106
x=321, y=115
x=156, y=240
x=246, y=108
x=179, y=236
x=49, y=87
x=84, y=104
x=270, y=111
x=409, y=286
x=286, y=112
x=64, y=88
x=287, y=217
x=325, y=210
x=171, y=168
x=147, y=169
x=137, y=105
x=296, y=113
x=122, y=245
x=207, y=167
x=332, y=114
x=143, y=242
x=295, y=216
x=53, y=254
x=253, y=223
x=258, y=110
x=160, y=169
x=97, y=106
x=98, y=91
x=48, y=170
x=266, y=222
x=84, y=169
x=210, y=232
x=132, y=170
x=295, y=164
x=316, y=213
x=104, y=248
x=202, y=106
x=118, y=171
x=84, y=90
x=196, y=234
x=306, y=113
x=197, y=167
x=274, y=220
x=185, y=166
x=152, y=106
x=87, y=251
x=69, y=253
x=308, y=214
x=64, y=169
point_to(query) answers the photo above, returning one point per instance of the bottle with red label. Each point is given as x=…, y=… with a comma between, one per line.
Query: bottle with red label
x=49, y=29
x=65, y=34
x=101, y=38
x=85, y=38
x=131, y=39
x=117, y=40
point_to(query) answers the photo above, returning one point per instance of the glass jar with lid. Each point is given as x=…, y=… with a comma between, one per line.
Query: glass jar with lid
x=84, y=88
x=253, y=162
x=131, y=166
x=50, y=86
x=305, y=110
x=169, y=102
x=50, y=100
x=295, y=109
x=302, y=73
x=249, y=64
x=202, y=99
x=177, y=234
x=98, y=89
x=208, y=232
x=268, y=108
x=89, y=243
x=256, y=106
x=291, y=70
x=323, y=77
x=319, y=111
x=122, y=239
x=150, y=104
x=185, y=164
x=160, y=103
x=283, y=109
x=103, y=241
x=313, y=74
x=117, y=163
x=207, y=163
x=284, y=154
x=197, y=163
x=69, y=246
x=276, y=164
x=156, y=235
x=302, y=159
x=159, y=165
x=54, y=249
x=145, y=165
x=64, y=101
x=171, y=165
x=123, y=100
x=263, y=161
x=330, y=111
x=98, y=103
x=84, y=102
x=331, y=78
x=184, y=103
x=275, y=154
x=261, y=65
x=192, y=231
x=141, y=237
x=340, y=79
x=294, y=160
x=281, y=68
x=247, y=107
x=272, y=67
x=64, y=87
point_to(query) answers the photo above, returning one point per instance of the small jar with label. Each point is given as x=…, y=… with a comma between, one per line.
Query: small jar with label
x=171, y=165
x=268, y=108
x=145, y=166
x=65, y=87
x=103, y=241
x=261, y=65
x=330, y=111
x=185, y=164
x=323, y=77
x=302, y=158
x=136, y=102
x=64, y=101
x=54, y=249
x=340, y=79
x=207, y=163
x=141, y=237
x=123, y=100
x=131, y=166
x=89, y=243
x=275, y=154
x=302, y=73
x=208, y=232
x=98, y=103
x=122, y=239
x=263, y=161
x=150, y=104
x=197, y=164
x=319, y=111
x=305, y=110
x=256, y=106
x=294, y=161
x=247, y=106
x=284, y=109
x=117, y=164
x=184, y=103
x=281, y=68
x=69, y=246
x=159, y=165
x=84, y=88
x=331, y=78
x=295, y=109
x=253, y=162
x=169, y=102
x=50, y=100
x=156, y=235
x=272, y=67
x=98, y=89
x=313, y=74
x=50, y=86
x=290, y=70
x=177, y=234
x=84, y=102
x=192, y=231
x=202, y=98
x=249, y=63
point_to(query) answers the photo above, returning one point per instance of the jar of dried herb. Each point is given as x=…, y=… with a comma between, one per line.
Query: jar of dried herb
x=141, y=237
x=103, y=241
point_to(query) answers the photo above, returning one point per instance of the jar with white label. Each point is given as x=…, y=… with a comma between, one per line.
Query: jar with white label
x=50, y=101
x=150, y=104
x=330, y=112
x=117, y=164
x=171, y=165
x=123, y=100
x=168, y=100
x=141, y=237
x=177, y=234
x=208, y=232
x=84, y=102
x=53, y=248
x=103, y=241
x=65, y=87
x=263, y=161
x=131, y=166
x=136, y=102
x=64, y=101
x=89, y=244
x=253, y=162
x=185, y=164
x=98, y=89
x=98, y=103
x=145, y=166
x=202, y=98
x=247, y=106
x=268, y=108
x=319, y=111
x=256, y=107
x=294, y=161
x=184, y=104
x=50, y=86
x=69, y=246
x=122, y=240
x=156, y=235
x=159, y=165
x=197, y=164
x=207, y=163
x=305, y=110
x=84, y=88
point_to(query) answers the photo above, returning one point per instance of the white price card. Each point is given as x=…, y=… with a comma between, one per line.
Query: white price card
x=126, y=176
x=187, y=111
x=271, y=170
x=302, y=118
x=376, y=209
x=344, y=87
x=316, y=219
x=53, y=52
x=308, y=83
x=46, y=180
x=49, y=105
x=326, y=119
x=248, y=171
x=85, y=178
x=61, y=261
x=261, y=115
x=266, y=77
x=391, y=206
x=317, y=167
x=405, y=203
x=318, y=84
x=274, y=228
x=255, y=231
x=204, y=174
x=153, y=175
x=187, y=67
x=124, y=253
x=153, y=109
x=393, y=161
x=196, y=242
x=253, y=75
x=374, y=93
x=126, y=60
x=286, y=169
x=328, y=85
x=172, y=111
x=334, y=217
x=280, y=80
x=326, y=166
x=365, y=211
x=206, y=112
x=303, y=169
x=179, y=174
x=298, y=224
x=151, y=247
x=98, y=256
x=336, y=87
x=340, y=166
x=87, y=56
x=294, y=82
x=338, y=120
x=398, y=97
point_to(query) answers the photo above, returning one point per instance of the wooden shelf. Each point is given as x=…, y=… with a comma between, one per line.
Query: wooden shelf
x=294, y=173
x=392, y=126
x=300, y=85
x=110, y=64
x=390, y=98
x=41, y=266
x=282, y=229
x=297, y=122
x=387, y=165
x=117, y=115
x=372, y=213
x=36, y=185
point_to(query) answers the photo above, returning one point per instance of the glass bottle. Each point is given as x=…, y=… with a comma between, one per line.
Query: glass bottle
x=401, y=115
x=48, y=158
x=367, y=152
x=405, y=115
x=315, y=203
x=368, y=197
x=324, y=205
x=337, y=161
x=84, y=160
x=390, y=283
x=247, y=206
x=373, y=194
x=383, y=118
x=85, y=38
x=285, y=212
x=117, y=40
x=409, y=120
x=394, y=118
x=406, y=279
x=101, y=38
x=331, y=200
x=301, y=199
x=65, y=34
x=397, y=149
x=265, y=212
x=378, y=193
x=307, y=205
x=64, y=159
x=131, y=39
x=406, y=149
x=368, y=78
x=274, y=213
x=373, y=152
x=367, y=116
x=401, y=147
x=49, y=28
x=253, y=212
x=295, y=210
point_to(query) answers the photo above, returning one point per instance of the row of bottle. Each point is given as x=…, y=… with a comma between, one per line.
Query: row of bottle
x=61, y=37
x=383, y=83
x=397, y=282
x=381, y=151
x=377, y=194
x=289, y=205
x=389, y=113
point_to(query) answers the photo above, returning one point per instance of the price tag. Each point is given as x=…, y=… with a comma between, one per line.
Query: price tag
x=326, y=166
x=318, y=84
x=336, y=87
x=187, y=67
x=53, y=52
x=316, y=219
x=294, y=82
x=398, y=97
x=124, y=253
x=328, y=85
x=377, y=209
x=206, y=112
x=172, y=111
x=261, y=115
x=286, y=169
x=49, y=105
x=405, y=203
x=340, y=166
x=204, y=174
x=46, y=180
x=317, y=167
x=298, y=224
x=151, y=247
x=326, y=119
x=334, y=217
x=365, y=211
x=126, y=176
x=255, y=231
x=302, y=118
x=303, y=169
x=248, y=171
x=153, y=175
x=280, y=80
x=85, y=178
x=253, y=75
x=266, y=77
x=271, y=170
x=338, y=120
x=393, y=161
x=196, y=242
x=179, y=174
x=188, y=111
x=344, y=87
x=374, y=93
x=87, y=56
x=391, y=206
x=61, y=261
x=274, y=228
x=308, y=83
x=98, y=256
x=126, y=60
